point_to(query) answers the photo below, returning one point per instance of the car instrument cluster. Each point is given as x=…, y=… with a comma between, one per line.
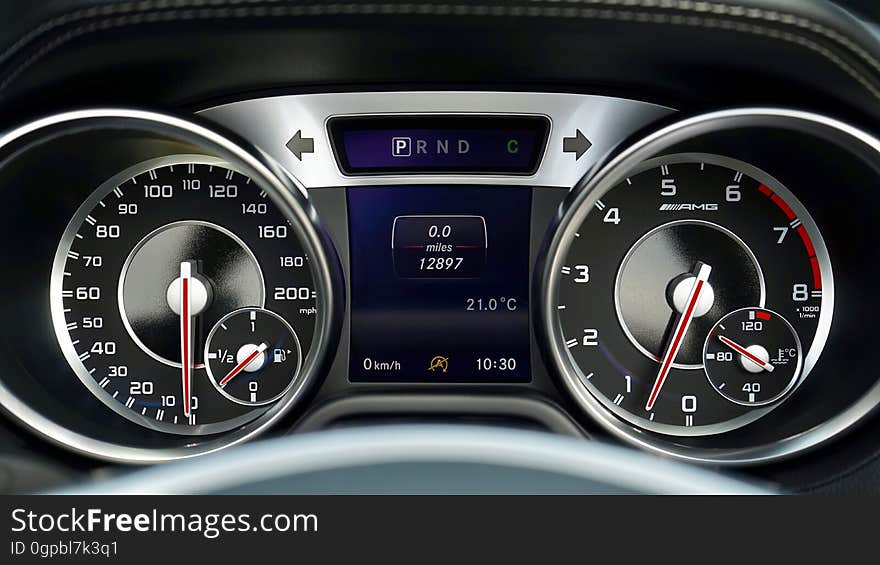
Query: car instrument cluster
x=689, y=284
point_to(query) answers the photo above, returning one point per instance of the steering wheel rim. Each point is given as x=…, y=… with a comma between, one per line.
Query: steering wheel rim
x=425, y=459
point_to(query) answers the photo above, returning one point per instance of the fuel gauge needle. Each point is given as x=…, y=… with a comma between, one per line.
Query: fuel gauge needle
x=681, y=329
x=747, y=354
x=245, y=362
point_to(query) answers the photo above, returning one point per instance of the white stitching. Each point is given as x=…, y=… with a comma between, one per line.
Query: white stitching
x=121, y=14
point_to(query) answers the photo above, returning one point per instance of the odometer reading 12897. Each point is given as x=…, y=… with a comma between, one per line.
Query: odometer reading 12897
x=649, y=282
x=150, y=264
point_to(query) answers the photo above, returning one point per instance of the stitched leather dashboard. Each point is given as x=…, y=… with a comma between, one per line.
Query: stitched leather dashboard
x=680, y=52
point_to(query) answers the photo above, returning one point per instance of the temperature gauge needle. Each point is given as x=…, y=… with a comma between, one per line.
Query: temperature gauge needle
x=186, y=335
x=746, y=353
x=684, y=323
x=245, y=362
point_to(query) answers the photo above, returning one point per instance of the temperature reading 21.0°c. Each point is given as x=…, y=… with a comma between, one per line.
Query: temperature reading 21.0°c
x=491, y=304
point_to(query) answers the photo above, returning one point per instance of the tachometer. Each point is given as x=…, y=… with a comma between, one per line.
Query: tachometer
x=149, y=264
x=653, y=266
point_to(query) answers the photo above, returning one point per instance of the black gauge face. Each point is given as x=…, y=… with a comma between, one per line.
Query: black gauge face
x=150, y=264
x=252, y=356
x=656, y=263
x=752, y=356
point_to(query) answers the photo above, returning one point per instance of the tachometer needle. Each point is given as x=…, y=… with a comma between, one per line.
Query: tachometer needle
x=747, y=354
x=684, y=323
x=186, y=335
x=240, y=367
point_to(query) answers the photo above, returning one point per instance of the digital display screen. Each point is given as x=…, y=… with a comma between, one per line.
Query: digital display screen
x=439, y=284
x=437, y=144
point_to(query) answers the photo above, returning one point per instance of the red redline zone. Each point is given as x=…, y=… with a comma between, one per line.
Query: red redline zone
x=817, y=273
x=802, y=232
x=783, y=206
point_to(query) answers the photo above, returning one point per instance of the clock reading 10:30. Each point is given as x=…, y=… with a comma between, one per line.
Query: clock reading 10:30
x=496, y=364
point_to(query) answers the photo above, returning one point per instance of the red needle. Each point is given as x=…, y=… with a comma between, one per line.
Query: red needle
x=240, y=367
x=186, y=335
x=678, y=336
x=747, y=354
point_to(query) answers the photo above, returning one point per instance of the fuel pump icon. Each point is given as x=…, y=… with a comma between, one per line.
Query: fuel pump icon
x=279, y=356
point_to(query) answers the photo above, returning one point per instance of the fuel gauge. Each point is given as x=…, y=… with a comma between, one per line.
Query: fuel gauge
x=252, y=356
x=752, y=356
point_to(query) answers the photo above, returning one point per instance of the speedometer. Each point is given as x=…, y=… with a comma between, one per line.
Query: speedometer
x=647, y=280
x=155, y=260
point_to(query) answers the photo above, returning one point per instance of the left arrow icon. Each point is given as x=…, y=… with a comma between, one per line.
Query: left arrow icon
x=299, y=145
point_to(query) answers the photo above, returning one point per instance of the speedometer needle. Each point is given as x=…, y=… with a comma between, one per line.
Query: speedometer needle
x=240, y=367
x=186, y=335
x=684, y=323
x=747, y=354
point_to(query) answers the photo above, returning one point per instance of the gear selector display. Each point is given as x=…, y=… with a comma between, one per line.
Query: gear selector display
x=439, y=144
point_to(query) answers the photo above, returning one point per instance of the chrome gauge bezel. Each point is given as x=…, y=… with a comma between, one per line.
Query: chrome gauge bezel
x=581, y=200
x=289, y=197
x=56, y=301
x=572, y=223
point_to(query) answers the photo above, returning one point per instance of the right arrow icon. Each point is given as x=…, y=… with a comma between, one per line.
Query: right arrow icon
x=579, y=144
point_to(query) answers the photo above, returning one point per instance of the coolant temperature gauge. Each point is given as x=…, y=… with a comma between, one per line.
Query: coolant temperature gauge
x=752, y=356
x=252, y=356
